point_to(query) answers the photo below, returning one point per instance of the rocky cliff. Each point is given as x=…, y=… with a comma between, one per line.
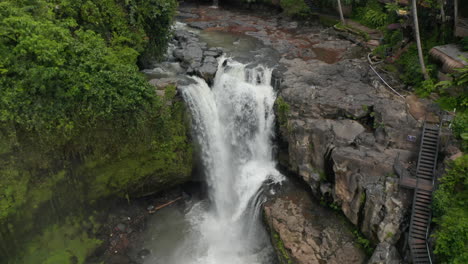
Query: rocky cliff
x=343, y=131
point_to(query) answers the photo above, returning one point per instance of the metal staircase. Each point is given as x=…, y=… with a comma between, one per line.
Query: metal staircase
x=423, y=186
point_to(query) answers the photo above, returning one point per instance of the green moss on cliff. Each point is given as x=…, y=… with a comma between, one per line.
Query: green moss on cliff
x=64, y=243
x=283, y=252
x=282, y=109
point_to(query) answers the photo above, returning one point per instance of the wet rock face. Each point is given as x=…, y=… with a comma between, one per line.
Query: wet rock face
x=309, y=233
x=195, y=56
x=344, y=132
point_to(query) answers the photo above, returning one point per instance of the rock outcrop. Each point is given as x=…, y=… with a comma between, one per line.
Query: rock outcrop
x=344, y=131
x=195, y=56
x=305, y=232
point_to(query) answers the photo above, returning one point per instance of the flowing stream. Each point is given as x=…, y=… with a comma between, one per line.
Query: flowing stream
x=233, y=124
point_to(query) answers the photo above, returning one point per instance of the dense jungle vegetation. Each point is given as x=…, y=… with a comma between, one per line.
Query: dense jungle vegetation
x=79, y=122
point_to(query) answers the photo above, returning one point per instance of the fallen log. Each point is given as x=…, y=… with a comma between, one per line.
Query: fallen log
x=164, y=205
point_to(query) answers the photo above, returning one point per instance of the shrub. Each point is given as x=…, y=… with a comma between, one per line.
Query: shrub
x=295, y=8
x=451, y=213
x=464, y=43
x=372, y=14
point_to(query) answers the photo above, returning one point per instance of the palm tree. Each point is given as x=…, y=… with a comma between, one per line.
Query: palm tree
x=418, y=40
x=341, y=13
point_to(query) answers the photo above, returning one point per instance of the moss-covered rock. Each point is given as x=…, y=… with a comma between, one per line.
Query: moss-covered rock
x=45, y=191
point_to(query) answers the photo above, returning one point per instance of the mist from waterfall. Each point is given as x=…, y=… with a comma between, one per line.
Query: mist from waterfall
x=233, y=124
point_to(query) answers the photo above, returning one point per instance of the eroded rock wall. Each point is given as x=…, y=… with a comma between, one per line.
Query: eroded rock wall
x=344, y=131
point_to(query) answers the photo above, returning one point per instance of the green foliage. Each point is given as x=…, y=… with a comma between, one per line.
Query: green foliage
x=353, y=30
x=363, y=242
x=78, y=121
x=65, y=243
x=454, y=93
x=460, y=128
x=283, y=253
x=327, y=21
x=295, y=8
x=372, y=14
x=64, y=74
x=464, y=43
x=282, y=111
x=411, y=71
x=362, y=199
x=451, y=214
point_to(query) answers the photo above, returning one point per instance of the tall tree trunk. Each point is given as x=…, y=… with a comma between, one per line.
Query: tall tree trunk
x=442, y=10
x=455, y=20
x=418, y=40
x=341, y=13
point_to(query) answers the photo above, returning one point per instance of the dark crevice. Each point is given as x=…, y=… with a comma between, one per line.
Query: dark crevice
x=328, y=165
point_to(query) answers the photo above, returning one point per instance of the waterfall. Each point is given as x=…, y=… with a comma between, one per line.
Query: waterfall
x=215, y=4
x=233, y=123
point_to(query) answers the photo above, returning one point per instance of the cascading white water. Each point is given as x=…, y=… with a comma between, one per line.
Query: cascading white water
x=233, y=123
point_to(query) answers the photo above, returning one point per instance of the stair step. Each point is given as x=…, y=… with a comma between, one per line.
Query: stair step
x=423, y=204
x=425, y=174
x=430, y=137
x=422, y=208
x=429, y=173
x=420, y=230
x=423, y=194
x=431, y=134
x=431, y=131
x=428, y=148
x=421, y=221
x=427, y=178
x=428, y=163
x=422, y=259
x=427, y=155
x=420, y=251
x=421, y=214
x=424, y=199
x=426, y=193
x=426, y=169
x=418, y=236
x=419, y=248
x=419, y=227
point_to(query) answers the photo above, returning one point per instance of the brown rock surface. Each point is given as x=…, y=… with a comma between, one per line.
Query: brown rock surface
x=309, y=232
